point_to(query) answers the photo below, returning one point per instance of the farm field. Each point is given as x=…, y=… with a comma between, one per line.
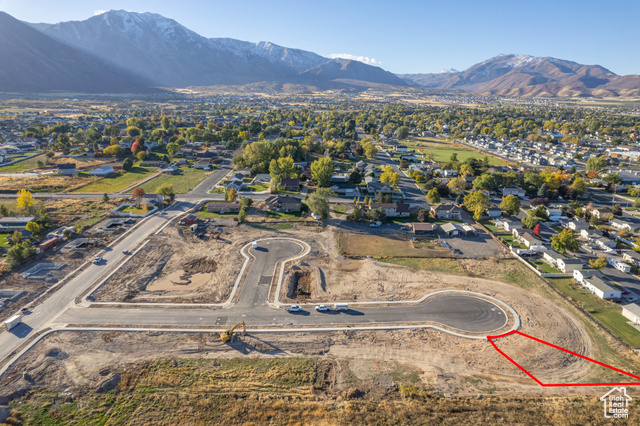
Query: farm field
x=23, y=166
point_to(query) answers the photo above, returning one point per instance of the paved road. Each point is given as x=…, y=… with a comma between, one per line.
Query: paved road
x=409, y=189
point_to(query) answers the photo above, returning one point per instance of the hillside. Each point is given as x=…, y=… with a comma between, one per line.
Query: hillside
x=34, y=62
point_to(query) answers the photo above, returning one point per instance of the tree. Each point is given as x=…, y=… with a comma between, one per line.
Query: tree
x=282, y=168
x=486, y=181
x=616, y=210
x=402, y=132
x=597, y=163
x=460, y=199
x=423, y=215
x=138, y=194
x=457, y=185
x=127, y=164
x=141, y=155
x=454, y=157
x=598, y=263
x=173, y=148
x=370, y=150
x=241, y=215
x=355, y=177
x=112, y=150
x=530, y=221
x=355, y=215
x=16, y=238
x=594, y=221
x=510, y=204
x=433, y=196
x=4, y=211
x=321, y=171
x=466, y=170
x=390, y=177
x=245, y=203
x=543, y=191
x=19, y=253
x=105, y=197
x=231, y=195
x=318, y=202
x=536, y=230
x=540, y=212
x=33, y=227
x=579, y=185
x=166, y=124
x=477, y=202
x=166, y=190
x=25, y=200
x=565, y=240
x=135, y=147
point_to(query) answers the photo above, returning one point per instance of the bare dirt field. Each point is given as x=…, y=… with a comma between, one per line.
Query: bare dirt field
x=43, y=183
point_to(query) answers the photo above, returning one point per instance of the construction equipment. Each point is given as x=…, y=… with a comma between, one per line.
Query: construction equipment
x=225, y=336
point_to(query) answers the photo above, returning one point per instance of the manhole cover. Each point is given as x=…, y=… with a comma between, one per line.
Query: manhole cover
x=265, y=280
x=221, y=320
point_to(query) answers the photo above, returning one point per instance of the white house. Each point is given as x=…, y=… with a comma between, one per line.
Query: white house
x=554, y=213
x=552, y=257
x=512, y=225
x=632, y=257
x=632, y=312
x=618, y=264
x=581, y=275
x=590, y=236
x=569, y=264
x=605, y=243
x=577, y=225
x=518, y=192
x=450, y=173
x=494, y=211
x=532, y=242
x=601, y=289
x=401, y=148
x=101, y=171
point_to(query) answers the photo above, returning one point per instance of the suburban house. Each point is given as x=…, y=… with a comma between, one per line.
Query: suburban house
x=223, y=207
x=531, y=242
x=449, y=173
x=590, y=236
x=580, y=275
x=621, y=224
x=577, y=225
x=518, y=192
x=101, y=171
x=554, y=213
x=280, y=203
x=569, y=264
x=292, y=185
x=494, y=211
x=632, y=257
x=632, y=312
x=604, y=215
x=67, y=169
x=345, y=189
x=424, y=228
x=605, y=243
x=375, y=188
x=552, y=257
x=16, y=223
x=447, y=211
x=154, y=163
x=401, y=148
x=392, y=209
x=601, y=288
x=511, y=225
x=618, y=264
x=262, y=178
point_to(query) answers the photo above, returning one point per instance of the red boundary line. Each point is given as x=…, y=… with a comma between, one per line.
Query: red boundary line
x=490, y=338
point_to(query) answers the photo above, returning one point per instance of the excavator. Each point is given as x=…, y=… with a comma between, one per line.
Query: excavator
x=225, y=336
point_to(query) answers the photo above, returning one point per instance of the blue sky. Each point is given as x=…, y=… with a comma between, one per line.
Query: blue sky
x=401, y=36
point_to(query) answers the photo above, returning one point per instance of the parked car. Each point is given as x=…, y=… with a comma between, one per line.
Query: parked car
x=294, y=308
x=322, y=308
x=375, y=224
x=97, y=260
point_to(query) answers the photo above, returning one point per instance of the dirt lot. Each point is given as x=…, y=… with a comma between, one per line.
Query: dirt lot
x=387, y=245
x=43, y=183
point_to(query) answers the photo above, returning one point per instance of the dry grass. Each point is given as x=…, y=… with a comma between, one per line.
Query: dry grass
x=285, y=391
x=386, y=246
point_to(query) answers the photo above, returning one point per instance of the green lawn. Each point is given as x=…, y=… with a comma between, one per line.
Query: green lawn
x=135, y=210
x=4, y=240
x=23, y=166
x=339, y=209
x=203, y=213
x=599, y=198
x=508, y=239
x=442, y=150
x=187, y=179
x=258, y=187
x=283, y=215
x=608, y=313
x=118, y=181
x=492, y=228
x=544, y=267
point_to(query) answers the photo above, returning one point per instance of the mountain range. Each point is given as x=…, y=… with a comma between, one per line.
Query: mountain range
x=523, y=75
x=120, y=51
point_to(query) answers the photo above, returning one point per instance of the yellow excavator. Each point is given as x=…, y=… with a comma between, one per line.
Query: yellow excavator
x=225, y=336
